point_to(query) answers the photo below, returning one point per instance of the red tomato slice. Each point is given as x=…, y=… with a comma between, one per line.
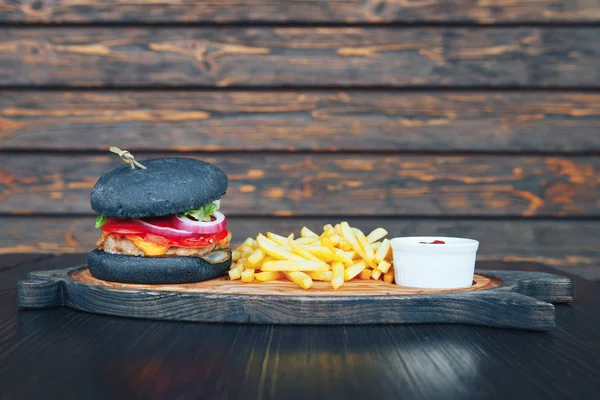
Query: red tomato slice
x=151, y=237
x=200, y=241
x=203, y=240
x=124, y=226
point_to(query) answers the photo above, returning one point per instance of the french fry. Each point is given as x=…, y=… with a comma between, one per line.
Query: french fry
x=390, y=255
x=383, y=250
x=270, y=248
x=305, y=232
x=295, y=265
x=345, y=257
x=376, y=274
x=337, y=275
x=326, y=227
x=254, y=258
x=348, y=234
x=384, y=266
x=344, y=245
x=246, y=249
x=388, y=277
x=329, y=231
x=365, y=274
x=342, y=257
x=320, y=275
x=376, y=234
x=235, y=255
x=249, y=242
x=322, y=252
x=243, y=255
x=353, y=270
x=300, y=279
x=307, y=240
x=268, y=276
x=278, y=239
x=248, y=275
x=234, y=274
x=335, y=239
x=350, y=253
x=302, y=252
x=375, y=246
x=369, y=254
x=337, y=229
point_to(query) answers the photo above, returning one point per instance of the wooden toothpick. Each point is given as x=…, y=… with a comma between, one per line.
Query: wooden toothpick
x=126, y=156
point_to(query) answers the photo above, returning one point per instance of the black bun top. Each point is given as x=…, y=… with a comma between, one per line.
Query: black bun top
x=169, y=185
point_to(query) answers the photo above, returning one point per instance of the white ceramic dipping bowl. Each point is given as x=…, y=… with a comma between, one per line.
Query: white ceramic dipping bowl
x=434, y=266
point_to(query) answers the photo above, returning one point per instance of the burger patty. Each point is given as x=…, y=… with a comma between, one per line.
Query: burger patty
x=116, y=243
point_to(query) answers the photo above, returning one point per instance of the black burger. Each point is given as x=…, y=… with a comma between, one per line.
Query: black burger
x=161, y=224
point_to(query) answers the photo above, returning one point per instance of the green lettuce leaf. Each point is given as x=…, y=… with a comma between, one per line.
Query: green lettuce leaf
x=101, y=220
x=203, y=213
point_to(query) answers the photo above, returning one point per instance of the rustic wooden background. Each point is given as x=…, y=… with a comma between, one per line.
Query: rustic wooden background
x=451, y=117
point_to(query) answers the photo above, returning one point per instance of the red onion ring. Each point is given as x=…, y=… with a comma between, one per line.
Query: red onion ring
x=164, y=230
x=192, y=225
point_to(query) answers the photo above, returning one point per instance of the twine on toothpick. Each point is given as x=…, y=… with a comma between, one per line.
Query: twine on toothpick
x=126, y=156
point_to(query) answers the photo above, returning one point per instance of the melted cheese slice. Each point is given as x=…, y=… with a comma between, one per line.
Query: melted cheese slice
x=149, y=248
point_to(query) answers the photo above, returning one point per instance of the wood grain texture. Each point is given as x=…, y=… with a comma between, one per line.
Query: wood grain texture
x=335, y=184
x=400, y=57
x=506, y=308
x=562, y=244
x=347, y=11
x=157, y=359
x=300, y=120
x=40, y=294
x=539, y=285
x=356, y=287
x=16, y=260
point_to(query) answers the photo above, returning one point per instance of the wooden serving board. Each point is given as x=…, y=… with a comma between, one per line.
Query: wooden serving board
x=506, y=299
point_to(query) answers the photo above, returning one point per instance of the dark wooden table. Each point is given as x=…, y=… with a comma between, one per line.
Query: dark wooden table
x=65, y=354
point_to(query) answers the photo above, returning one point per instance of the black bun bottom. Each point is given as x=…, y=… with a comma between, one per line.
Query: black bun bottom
x=147, y=270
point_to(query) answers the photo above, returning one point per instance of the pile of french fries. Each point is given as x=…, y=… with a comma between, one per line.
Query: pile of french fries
x=341, y=253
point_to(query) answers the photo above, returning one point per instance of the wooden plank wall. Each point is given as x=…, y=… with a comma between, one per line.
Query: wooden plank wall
x=449, y=117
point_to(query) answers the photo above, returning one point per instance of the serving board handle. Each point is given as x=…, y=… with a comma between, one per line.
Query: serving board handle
x=507, y=309
x=40, y=293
